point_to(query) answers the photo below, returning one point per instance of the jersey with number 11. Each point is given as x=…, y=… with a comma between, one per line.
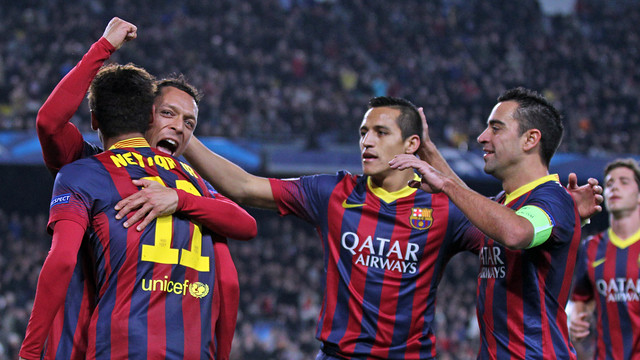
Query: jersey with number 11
x=156, y=288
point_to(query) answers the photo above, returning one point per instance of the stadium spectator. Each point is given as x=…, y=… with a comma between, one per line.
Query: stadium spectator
x=262, y=60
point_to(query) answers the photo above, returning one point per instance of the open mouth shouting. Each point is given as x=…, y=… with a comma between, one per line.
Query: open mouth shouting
x=167, y=146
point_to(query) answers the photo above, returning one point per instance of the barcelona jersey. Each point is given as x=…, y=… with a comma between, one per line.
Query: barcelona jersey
x=384, y=255
x=609, y=273
x=156, y=292
x=61, y=144
x=522, y=294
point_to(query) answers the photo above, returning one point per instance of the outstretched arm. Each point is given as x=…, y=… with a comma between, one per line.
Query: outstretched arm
x=52, y=286
x=230, y=179
x=495, y=220
x=60, y=140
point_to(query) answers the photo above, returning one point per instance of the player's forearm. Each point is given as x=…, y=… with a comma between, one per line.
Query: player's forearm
x=60, y=140
x=495, y=220
x=51, y=290
x=223, y=217
x=229, y=299
x=228, y=178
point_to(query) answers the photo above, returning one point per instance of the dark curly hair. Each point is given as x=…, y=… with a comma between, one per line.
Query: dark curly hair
x=121, y=99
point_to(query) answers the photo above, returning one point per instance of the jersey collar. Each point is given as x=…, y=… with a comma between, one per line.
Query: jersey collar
x=623, y=243
x=390, y=197
x=135, y=142
x=530, y=186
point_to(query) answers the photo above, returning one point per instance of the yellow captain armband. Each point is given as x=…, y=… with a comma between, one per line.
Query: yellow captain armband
x=541, y=221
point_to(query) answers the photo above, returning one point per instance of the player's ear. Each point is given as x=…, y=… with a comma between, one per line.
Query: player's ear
x=411, y=144
x=153, y=111
x=531, y=139
x=94, y=122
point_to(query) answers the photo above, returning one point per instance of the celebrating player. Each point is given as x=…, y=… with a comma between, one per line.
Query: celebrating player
x=175, y=114
x=610, y=270
x=385, y=244
x=156, y=290
x=529, y=235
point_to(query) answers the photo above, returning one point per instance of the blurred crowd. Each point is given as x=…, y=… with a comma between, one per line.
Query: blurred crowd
x=273, y=70
x=280, y=275
x=24, y=244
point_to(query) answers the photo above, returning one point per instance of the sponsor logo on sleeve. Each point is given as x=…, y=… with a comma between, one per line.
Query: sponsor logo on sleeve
x=60, y=199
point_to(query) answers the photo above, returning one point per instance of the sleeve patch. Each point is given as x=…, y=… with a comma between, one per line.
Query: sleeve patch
x=60, y=199
x=542, y=223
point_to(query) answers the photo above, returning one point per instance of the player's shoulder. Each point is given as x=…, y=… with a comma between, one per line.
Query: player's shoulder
x=551, y=191
x=81, y=169
x=90, y=149
x=81, y=165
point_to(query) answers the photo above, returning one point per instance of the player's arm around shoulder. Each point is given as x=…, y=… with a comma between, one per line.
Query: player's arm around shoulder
x=495, y=220
x=501, y=223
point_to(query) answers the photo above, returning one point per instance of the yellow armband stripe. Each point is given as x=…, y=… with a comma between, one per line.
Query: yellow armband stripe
x=541, y=221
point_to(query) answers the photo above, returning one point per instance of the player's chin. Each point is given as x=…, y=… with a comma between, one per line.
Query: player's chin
x=369, y=169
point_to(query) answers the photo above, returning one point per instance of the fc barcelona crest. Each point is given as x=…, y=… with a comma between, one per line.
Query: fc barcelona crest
x=421, y=218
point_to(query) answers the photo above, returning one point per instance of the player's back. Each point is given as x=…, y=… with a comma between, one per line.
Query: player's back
x=156, y=288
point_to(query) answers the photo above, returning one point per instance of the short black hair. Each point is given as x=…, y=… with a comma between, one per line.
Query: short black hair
x=178, y=81
x=121, y=99
x=408, y=121
x=536, y=112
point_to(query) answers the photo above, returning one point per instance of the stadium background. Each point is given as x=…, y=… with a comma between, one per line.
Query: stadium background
x=286, y=83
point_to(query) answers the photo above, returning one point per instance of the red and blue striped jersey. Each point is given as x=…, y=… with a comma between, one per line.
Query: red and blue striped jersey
x=384, y=255
x=609, y=273
x=156, y=290
x=522, y=294
x=61, y=144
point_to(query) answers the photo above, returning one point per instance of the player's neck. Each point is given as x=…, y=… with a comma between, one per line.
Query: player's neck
x=521, y=174
x=626, y=224
x=109, y=142
x=394, y=180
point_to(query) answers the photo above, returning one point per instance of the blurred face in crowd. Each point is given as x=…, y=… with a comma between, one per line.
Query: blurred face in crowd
x=501, y=141
x=380, y=140
x=175, y=116
x=621, y=191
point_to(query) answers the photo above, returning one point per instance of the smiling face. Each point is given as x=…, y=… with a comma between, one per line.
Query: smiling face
x=175, y=116
x=380, y=140
x=501, y=141
x=621, y=191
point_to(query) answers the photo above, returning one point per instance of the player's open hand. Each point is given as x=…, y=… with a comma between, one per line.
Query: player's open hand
x=432, y=180
x=588, y=197
x=153, y=201
x=119, y=31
